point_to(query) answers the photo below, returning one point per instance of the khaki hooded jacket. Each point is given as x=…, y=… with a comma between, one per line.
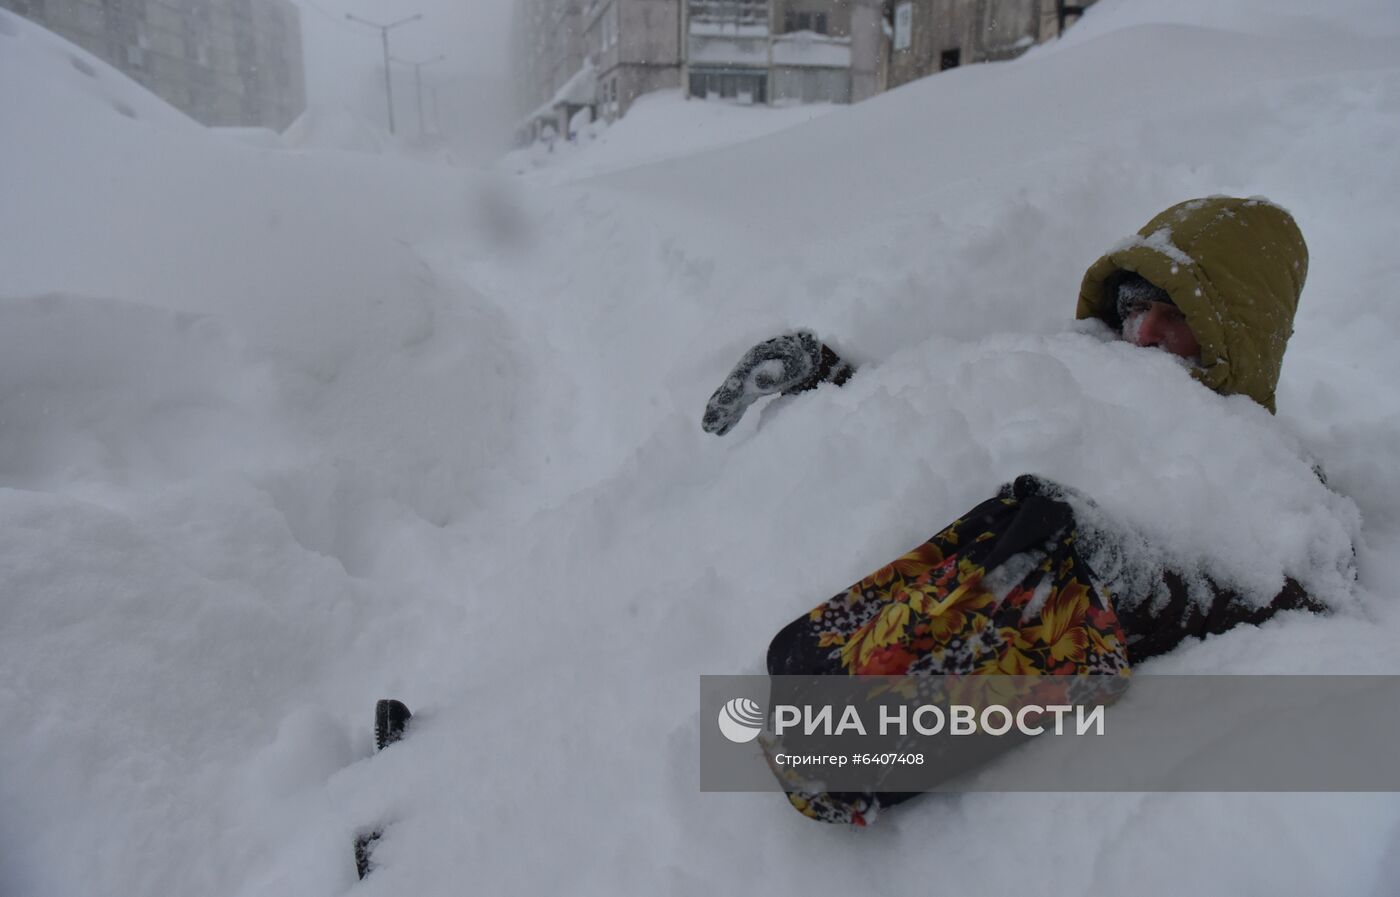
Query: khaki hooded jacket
x=1235, y=268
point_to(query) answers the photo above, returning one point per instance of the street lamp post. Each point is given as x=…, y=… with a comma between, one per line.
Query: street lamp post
x=384, y=39
x=418, y=84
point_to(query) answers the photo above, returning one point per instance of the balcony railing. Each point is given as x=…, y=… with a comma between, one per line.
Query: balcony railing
x=733, y=12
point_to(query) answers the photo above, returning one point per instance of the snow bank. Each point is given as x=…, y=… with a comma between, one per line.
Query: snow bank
x=659, y=126
x=323, y=128
x=107, y=394
x=262, y=138
x=74, y=82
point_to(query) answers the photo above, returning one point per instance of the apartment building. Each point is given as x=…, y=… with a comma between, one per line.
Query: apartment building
x=930, y=36
x=547, y=50
x=222, y=62
x=782, y=51
x=635, y=48
x=603, y=54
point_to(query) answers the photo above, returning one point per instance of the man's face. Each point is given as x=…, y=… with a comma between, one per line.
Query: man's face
x=1162, y=325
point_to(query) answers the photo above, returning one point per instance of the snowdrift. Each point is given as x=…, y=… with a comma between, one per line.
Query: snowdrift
x=285, y=432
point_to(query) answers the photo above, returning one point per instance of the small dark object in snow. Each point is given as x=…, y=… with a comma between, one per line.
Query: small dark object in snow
x=390, y=720
x=363, y=845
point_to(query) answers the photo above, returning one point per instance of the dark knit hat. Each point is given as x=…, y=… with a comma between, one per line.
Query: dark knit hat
x=1134, y=288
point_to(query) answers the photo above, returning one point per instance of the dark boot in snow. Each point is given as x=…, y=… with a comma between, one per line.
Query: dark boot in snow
x=363, y=845
x=390, y=719
x=792, y=363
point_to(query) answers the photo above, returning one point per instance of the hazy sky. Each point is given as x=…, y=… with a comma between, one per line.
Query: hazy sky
x=344, y=59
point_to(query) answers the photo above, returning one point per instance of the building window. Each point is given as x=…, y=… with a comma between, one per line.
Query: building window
x=729, y=84
x=730, y=12
x=903, y=25
x=804, y=21
x=950, y=59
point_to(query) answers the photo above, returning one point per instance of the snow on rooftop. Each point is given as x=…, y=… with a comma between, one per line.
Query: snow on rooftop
x=728, y=50
x=580, y=90
x=733, y=29
x=807, y=48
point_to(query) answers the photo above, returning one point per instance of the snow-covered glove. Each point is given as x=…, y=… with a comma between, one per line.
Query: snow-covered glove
x=791, y=363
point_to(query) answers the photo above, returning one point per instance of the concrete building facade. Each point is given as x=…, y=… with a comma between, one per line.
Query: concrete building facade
x=757, y=51
x=635, y=48
x=553, y=74
x=222, y=62
x=747, y=51
x=774, y=51
x=548, y=48
x=930, y=36
x=869, y=49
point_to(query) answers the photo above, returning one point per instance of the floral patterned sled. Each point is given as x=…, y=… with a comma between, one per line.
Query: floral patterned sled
x=1002, y=591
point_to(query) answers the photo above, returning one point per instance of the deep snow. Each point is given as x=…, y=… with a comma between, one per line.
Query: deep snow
x=660, y=126
x=287, y=429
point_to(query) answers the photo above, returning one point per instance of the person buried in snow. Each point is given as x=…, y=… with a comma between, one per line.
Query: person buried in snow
x=1215, y=281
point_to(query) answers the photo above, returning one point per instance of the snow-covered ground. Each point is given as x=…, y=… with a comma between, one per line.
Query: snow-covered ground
x=659, y=126
x=285, y=429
